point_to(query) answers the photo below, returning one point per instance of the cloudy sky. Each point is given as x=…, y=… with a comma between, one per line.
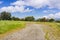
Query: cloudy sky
x=36, y=8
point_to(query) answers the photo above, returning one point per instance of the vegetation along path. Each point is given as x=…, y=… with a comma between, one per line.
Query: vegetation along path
x=31, y=32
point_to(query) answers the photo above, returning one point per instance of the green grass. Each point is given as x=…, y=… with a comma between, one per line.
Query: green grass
x=6, y=26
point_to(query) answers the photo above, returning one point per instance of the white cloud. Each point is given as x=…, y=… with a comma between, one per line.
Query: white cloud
x=49, y=11
x=1, y=2
x=55, y=3
x=15, y=9
x=28, y=10
x=33, y=3
x=39, y=3
x=51, y=16
x=20, y=5
x=56, y=15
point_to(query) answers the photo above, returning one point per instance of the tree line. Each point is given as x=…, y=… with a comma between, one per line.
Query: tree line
x=7, y=16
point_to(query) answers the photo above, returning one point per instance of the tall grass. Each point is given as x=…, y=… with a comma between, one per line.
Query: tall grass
x=9, y=25
x=51, y=28
x=54, y=30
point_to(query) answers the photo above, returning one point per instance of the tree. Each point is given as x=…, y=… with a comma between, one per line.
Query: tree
x=5, y=16
x=42, y=19
x=22, y=19
x=58, y=21
x=51, y=20
x=29, y=18
x=38, y=19
x=15, y=18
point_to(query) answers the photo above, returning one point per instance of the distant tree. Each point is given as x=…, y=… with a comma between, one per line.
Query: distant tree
x=51, y=20
x=0, y=16
x=5, y=16
x=15, y=18
x=29, y=18
x=58, y=21
x=22, y=19
x=38, y=19
x=43, y=19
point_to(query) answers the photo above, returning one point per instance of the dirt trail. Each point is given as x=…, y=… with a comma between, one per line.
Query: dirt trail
x=31, y=32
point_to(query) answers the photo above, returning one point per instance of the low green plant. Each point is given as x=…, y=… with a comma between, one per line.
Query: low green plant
x=6, y=26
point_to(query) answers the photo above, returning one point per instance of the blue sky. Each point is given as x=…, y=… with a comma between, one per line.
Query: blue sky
x=36, y=8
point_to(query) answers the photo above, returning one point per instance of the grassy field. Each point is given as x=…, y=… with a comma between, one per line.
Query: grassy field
x=6, y=26
x=52, y=30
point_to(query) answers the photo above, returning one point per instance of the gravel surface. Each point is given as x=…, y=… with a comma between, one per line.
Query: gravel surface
x=31, y=32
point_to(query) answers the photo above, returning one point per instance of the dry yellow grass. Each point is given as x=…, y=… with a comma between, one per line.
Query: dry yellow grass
x=52, y=30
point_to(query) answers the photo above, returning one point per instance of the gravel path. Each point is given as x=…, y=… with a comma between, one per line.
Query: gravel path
x=31, y=32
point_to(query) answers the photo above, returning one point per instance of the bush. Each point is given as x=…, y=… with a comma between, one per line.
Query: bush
x=51, y=20
x=29, y=18
x=15, y=18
